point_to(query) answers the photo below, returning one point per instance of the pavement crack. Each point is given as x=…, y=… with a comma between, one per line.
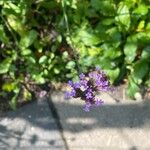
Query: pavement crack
x=57, y=119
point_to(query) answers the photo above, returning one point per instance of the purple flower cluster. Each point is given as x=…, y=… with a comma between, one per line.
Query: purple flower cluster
x=87, y=87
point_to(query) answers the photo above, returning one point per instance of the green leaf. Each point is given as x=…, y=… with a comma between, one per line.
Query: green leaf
x=13, y=102
x=5, y=65
x=65, y=55
x=113, y=74
x=140, y=38
x=110, y=51
x=148, y=26
x=26, y=52
x=12, y=6
x=9, y=86
x=3, y=36
x=105, y=62
x=106, y=7
x=27, y=95
x=114, y=36
x=123, y=16
x=38, y=78
x=70, y=65
x=107, y=21
x=31, y=60
x=141, y=25
x=130, y=51
x=132, y=88
x=1, y=2
x=28, y=39
x=141, y=10
x=141, y=68
x=146, y=53
x=88, y=38
x=56, y=71
x=87, y=61
x=42, y=59
x=131, y=3
x=16, y=24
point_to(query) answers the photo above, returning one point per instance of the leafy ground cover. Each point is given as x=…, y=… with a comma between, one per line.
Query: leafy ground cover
x=43, y=41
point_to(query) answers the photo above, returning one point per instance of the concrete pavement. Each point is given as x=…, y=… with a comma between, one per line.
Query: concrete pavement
x=64, y=125
x=31, y=127
x=114, y=126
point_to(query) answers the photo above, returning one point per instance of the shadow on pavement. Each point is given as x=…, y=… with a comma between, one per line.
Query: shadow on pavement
x=74, y=120
x=135, y=115
x=30, y=127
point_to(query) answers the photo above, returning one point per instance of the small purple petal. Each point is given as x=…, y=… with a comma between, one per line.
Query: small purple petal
x=93, y=75
x=84, y=82
x=89, y=95
x=99, y=102
x=67, y=95
x=87, y=107
x=70, y=83
x=73, y=93
x=77, y=85
x=82, y=76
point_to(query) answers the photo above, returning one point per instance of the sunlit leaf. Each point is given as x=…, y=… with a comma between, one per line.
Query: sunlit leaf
x=26, y=52
x=5, y=65
x=123, y=16
x=146, y=53
x=16, y=24
x=42, y=59
x=141, y=10
x=28, y=39
x=140, y=70
x=113, y=74
x=132, y=88
x=89, y=39
x=70, y=64
x=130, y=51
x=8, y=86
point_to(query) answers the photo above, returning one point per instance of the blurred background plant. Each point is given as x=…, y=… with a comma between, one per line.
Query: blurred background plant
x=41, y=41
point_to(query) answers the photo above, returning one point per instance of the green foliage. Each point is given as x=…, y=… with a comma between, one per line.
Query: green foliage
x=37, y=37
x=123, y=17
x=115, y=36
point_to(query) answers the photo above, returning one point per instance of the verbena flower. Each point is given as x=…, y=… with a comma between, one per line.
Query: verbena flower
x=82, y=76
x=87, y=87
x=87, y=106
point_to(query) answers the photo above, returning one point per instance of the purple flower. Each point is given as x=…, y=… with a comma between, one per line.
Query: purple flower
x=98, y=82
x=77, y=85
x=87, y=87
x=82, y=76
x=73, y=93
x=93, y=75
x=89, y=95
x=87, y=106
x=103, y=86
x=99, y=102
x=67, y=95
x=84, y=82
x=70, y=83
